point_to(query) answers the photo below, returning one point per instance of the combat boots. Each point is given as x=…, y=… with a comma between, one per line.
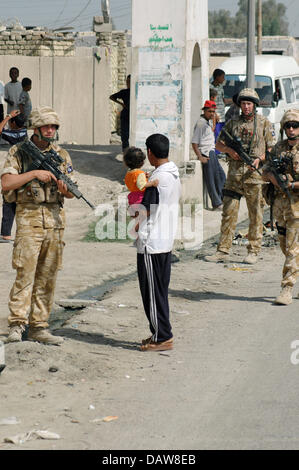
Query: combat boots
x=44, y=336
x=285, y=296
x=15, y=333
x=251, y=258
x=218, y=257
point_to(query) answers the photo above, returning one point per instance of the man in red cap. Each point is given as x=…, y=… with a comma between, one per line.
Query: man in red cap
x=203, y=144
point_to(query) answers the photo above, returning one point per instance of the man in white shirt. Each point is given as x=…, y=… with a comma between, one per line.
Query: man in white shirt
x=203, y=144
x=157, y=230
x=12, y=90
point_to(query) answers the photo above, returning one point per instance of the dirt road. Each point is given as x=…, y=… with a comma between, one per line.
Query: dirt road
x=229, y=383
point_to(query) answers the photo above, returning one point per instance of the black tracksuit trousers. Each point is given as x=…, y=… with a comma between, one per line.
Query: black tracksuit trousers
x=154, y=277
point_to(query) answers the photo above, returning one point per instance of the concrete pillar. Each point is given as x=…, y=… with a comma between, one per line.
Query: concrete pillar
x=170, y=68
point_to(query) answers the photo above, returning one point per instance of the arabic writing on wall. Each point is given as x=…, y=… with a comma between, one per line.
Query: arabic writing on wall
x=158, y=38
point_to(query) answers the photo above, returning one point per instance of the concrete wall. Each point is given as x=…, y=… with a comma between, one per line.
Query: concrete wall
x=77, y=88
x=115, y=44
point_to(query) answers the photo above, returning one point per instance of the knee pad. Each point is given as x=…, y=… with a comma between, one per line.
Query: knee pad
x=231, y=194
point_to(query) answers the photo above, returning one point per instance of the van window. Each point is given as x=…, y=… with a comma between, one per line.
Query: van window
x=289, y=90
x=263, y=86
x=296, y=87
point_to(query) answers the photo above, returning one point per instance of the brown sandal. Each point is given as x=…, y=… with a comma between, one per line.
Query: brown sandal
x=155, y=346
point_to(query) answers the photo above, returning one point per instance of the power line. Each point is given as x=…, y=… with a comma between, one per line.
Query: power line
x=79, y=14
x=61, y=12
x=82, y=17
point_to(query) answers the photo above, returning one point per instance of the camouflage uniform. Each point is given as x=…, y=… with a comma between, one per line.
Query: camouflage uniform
x=241, y=181
x=38, y=246
x=286, y=215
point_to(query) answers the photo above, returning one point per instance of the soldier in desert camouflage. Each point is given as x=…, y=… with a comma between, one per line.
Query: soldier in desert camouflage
x=40, y=221
x=285, y=209
x=257, y=136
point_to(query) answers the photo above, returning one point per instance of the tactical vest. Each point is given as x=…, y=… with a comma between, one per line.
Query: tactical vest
x=35, y=192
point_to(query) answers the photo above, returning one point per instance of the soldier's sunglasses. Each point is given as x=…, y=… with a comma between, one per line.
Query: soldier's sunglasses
x=293, y=124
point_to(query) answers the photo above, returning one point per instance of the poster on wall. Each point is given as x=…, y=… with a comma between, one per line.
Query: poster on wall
x=159, y=94
x=159, y=110
x=160, y=64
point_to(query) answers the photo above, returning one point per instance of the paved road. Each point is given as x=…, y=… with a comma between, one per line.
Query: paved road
x=229, y=383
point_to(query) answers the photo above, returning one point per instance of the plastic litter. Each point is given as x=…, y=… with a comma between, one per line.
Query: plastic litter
x=270, y=237
x=237, y=268
x=107, y=419
x=34, y=434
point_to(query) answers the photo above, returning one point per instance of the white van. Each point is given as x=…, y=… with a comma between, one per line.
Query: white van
x=276, y=82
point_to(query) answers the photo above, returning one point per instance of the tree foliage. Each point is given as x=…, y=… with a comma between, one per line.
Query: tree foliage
x=223, y=25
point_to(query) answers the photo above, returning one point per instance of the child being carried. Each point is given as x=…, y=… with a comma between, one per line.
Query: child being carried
x=136, y=179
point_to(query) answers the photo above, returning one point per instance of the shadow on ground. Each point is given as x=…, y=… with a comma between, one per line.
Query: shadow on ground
x=198, y=296
x=96, y=338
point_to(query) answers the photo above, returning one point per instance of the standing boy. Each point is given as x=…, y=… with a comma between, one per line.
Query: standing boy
x=217, y=85
x=157, y=230
x=24, y=101
x=12, y=90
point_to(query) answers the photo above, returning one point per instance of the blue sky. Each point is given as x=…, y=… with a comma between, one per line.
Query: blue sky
x=78, y=13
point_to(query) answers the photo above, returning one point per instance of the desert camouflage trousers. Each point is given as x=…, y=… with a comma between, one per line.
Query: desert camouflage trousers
x=288, y=230
x=37, y=256
x=255, y=205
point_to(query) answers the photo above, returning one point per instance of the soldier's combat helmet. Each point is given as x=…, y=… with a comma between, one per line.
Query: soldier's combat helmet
x=43, y=116
x=291, y=115
x=248, y=94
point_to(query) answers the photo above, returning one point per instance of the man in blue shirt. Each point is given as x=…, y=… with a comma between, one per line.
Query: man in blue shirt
x=217, y=85
x=16, y=133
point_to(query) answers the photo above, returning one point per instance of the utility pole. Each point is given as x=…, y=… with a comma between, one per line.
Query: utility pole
x=259, y=27
x=106, y=10
x=250, y=44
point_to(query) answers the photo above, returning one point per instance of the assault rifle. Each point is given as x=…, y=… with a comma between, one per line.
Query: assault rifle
x=236, y=144
x=277, y=166
x=50, y=161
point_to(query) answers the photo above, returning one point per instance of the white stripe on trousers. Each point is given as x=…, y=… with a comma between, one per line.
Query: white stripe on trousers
x=153, y=308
